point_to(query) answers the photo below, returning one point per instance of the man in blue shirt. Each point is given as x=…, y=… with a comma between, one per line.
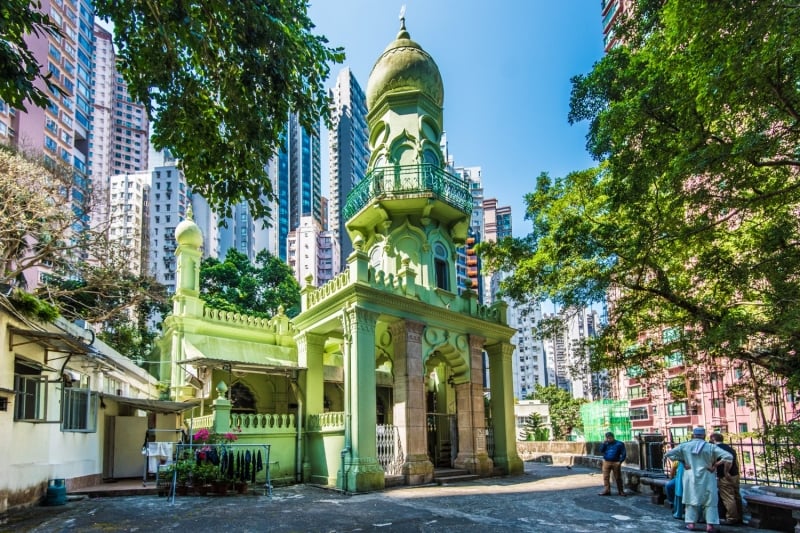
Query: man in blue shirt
x=613, y=456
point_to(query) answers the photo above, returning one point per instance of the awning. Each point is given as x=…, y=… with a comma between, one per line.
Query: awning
x=155, y=406
x=54, y=342
x=236, y=356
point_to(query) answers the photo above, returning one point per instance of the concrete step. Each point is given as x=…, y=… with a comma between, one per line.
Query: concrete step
x=444, y=476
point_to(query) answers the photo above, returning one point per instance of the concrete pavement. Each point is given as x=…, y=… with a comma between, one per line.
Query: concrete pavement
x=546, y=498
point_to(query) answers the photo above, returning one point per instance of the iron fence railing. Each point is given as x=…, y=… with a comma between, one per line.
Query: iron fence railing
x=770, y=462
x=401, y=180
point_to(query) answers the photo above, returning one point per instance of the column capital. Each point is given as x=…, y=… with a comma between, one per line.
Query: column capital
x=500, y=349
x=407, y=329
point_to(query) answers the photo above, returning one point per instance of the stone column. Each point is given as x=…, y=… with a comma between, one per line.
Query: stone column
x=472, y=454
x=409, y=401
x=310, y=353
x=505, y=442
x=363, y=473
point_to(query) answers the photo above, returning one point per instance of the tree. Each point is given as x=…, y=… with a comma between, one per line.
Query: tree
x=565, y=411
x=218, y=78
x=690, y=220
x=259, y=289
x=36, y=218
x=19, y=69
x=534, y=428
x=83, y=273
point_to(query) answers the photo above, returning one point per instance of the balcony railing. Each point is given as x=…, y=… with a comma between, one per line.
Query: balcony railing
x=399, y=181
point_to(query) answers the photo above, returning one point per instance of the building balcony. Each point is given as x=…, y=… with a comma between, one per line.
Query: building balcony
x=392, y=183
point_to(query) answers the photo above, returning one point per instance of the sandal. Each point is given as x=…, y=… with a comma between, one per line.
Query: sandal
x=690, y=526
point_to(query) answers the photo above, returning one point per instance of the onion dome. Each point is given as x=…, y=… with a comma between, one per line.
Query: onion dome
x=404, y=66
x=188, y=233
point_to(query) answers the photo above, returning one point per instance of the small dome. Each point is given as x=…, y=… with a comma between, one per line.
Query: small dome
x=404, y=66
x=188, y=233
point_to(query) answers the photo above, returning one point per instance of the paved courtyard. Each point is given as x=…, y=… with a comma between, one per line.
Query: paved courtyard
x=546, y=498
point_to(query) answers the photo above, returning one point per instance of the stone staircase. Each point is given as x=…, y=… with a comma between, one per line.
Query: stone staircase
x=447, y=476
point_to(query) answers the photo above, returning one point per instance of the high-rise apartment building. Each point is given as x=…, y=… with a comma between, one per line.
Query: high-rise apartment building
x=305, y=173
x=348, y=153
x=168, y=205
x=529, y=365
x=496, y=226
x=60, y=130
x=119, y=141
x=468, y=265
x=611, y=11
x=129, y=201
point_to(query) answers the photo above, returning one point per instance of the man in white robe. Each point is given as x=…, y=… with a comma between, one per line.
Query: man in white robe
x=700, y=460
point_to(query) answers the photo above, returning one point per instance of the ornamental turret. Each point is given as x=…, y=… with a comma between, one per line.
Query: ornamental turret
x=407, y=203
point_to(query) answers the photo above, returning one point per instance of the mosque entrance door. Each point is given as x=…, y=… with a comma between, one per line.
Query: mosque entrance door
x=442, y=435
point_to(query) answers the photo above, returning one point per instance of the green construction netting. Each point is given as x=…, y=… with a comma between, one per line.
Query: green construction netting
x=606, y=415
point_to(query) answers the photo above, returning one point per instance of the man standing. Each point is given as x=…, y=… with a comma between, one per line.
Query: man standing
x=613, y=456
x=728, y=484
x=700, y=460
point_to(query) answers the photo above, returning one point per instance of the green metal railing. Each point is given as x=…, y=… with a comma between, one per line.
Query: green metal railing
x=394, y=181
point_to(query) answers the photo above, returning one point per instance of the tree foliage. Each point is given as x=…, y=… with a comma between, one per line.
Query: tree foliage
x=565, y=411
x=256, y=289
x=689, y=223
x=19, y=69
x=84, y=274
x=219, y=79
x=534, y=428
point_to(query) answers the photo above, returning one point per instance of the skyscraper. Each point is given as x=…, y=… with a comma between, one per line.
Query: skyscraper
x=348, y=153
x=128, y=202
x=61, y=130
x=169, y=202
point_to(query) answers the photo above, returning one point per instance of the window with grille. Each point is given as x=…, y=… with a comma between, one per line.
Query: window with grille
x=78, y=410
x=30, y=389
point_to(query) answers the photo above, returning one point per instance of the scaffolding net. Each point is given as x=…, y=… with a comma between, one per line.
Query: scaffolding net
x=606, y=415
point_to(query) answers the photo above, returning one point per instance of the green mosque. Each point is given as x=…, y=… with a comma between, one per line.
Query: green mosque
x=381, y=379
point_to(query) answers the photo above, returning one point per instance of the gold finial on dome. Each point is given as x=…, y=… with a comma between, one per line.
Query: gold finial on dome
x=189, y=213
x=403, y=17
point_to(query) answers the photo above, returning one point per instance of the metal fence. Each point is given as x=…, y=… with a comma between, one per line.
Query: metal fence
x=764, y=462
x=775, y=462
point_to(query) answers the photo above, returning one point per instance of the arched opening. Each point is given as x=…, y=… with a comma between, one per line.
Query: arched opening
x=441, y=414
x=242, y=400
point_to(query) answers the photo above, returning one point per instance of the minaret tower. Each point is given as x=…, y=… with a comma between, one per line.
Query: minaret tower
x=408, y=213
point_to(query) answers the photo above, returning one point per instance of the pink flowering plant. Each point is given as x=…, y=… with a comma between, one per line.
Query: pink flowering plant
x=210, y=440
x=204, y=436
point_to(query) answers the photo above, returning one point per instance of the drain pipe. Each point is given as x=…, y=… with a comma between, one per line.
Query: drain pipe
x=347, y=347
x=298, y=459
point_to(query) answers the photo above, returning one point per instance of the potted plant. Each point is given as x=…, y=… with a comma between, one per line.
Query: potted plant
x=184, y=470
x=204, y=475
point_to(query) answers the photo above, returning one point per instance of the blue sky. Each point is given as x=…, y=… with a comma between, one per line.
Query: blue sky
x=506, y=67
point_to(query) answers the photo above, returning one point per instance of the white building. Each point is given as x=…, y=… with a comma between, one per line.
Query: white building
x=128, y=201
x=71, y=409
x=529, y=364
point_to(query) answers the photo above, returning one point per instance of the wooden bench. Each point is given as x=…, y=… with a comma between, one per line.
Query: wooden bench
x=656, y=484
x=773, y=512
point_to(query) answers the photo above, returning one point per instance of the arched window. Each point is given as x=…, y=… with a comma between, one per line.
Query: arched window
x=441, y=268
